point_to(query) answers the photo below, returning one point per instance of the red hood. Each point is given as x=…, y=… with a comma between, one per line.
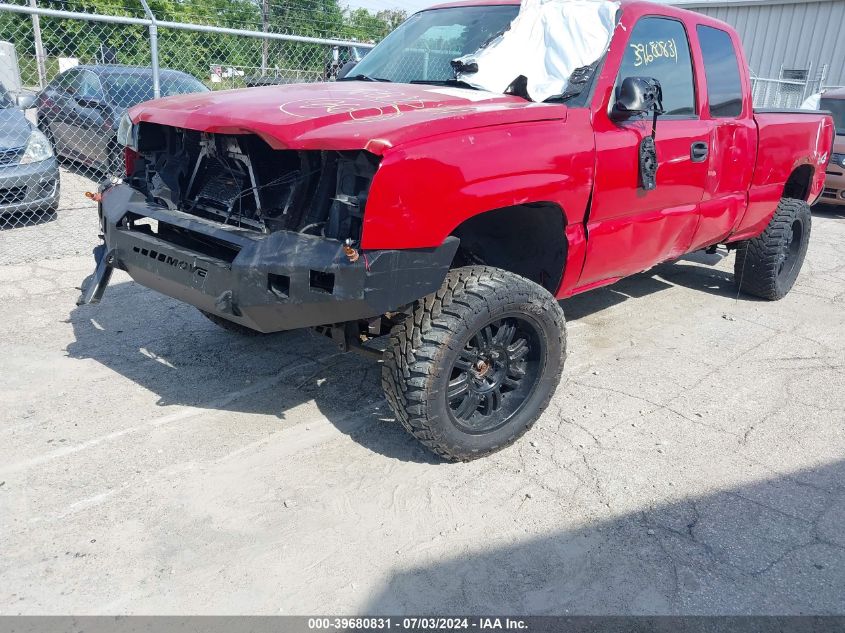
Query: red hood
x=342, y=115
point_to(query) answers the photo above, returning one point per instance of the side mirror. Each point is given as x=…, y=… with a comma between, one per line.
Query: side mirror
x=90, y=102
x=346, y=69
x=638, y=95
x=25, y=102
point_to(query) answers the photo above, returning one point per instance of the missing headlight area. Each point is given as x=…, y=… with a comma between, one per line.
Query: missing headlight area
x=241, y=181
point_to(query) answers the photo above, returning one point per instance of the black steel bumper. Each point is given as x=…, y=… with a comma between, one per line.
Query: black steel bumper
x=268, y=282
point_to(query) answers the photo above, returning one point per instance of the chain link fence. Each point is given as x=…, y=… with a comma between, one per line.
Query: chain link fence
x=777, y=93
x=784, y=93
x=791, y=89
x=66, y=78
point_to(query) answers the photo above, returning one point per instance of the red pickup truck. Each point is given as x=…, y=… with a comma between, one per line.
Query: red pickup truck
x=404, y=200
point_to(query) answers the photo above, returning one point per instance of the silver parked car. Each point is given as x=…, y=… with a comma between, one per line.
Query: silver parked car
x=29, y=174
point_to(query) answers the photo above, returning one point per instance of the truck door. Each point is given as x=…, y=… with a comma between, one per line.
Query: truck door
x=630, y=229
x=733, y=139
x=57, y=108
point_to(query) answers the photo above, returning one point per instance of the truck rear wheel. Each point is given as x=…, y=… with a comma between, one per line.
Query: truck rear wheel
x=476, y=363
x=768, y=265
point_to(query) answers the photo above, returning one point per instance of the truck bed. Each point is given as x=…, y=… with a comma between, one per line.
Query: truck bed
x=783, y=150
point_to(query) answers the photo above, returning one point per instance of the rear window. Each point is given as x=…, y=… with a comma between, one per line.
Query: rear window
x=128, y=89
x=724, y=87
x=837, y=107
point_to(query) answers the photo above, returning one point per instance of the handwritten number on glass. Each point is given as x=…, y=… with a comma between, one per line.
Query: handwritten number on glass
x=649, y=52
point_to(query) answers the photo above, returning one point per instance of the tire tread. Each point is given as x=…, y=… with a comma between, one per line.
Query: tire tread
x=412, y=352
x=756, y=264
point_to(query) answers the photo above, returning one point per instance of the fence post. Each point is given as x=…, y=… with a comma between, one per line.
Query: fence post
x=265, y=43
x=39, y=46
x=807, y=81
x=153, y=49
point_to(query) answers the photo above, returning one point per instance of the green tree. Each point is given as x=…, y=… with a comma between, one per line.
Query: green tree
x=392, y=18
x=192, y=51
x=362, y=25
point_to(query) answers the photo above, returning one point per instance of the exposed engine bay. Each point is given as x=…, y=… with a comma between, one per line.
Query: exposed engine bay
x=241, y=181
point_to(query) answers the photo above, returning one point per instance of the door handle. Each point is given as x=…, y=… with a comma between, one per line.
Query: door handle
x=698, y=152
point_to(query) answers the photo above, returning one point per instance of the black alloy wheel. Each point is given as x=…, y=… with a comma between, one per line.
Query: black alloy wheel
x=494, y=374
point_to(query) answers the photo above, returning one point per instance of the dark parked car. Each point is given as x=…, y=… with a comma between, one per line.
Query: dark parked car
x=80, y=109
x=29, y=176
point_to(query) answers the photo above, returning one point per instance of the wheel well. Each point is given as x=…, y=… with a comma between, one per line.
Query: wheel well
x=527, y=240
x=798, y=184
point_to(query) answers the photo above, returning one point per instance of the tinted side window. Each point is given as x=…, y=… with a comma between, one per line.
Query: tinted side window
x=89, y=85
x=67, y=80
x=724, y=88
x=659, y=48
x=837, y=107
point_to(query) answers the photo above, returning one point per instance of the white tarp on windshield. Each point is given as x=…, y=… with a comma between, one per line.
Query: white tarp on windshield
x=547, y=40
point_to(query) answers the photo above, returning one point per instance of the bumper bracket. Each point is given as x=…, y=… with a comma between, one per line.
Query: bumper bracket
x=95, y=284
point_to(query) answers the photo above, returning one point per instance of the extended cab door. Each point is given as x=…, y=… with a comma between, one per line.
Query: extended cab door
x=630, y=229
x=733, y=139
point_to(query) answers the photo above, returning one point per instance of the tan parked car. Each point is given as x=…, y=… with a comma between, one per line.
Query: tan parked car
x=834, y=186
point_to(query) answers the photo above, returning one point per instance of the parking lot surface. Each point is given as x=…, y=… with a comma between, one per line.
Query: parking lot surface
x=691, y=462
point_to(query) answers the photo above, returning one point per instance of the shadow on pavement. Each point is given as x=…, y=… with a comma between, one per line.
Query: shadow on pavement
x=836, y=212
x=771, y=547
x=694, y=271
x=20, y=219
x=171, y=350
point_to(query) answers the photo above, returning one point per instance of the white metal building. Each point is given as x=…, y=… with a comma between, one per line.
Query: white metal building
x=793, y=40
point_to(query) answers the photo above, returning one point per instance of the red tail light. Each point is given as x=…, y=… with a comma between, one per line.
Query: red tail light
x=130, y=156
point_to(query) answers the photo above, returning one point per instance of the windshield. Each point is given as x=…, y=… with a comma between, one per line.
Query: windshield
x=837, y=106
x=5, y=99
x=422, y=48
x=127, y=90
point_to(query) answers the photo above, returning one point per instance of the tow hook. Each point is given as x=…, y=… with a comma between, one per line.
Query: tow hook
x=97, y=196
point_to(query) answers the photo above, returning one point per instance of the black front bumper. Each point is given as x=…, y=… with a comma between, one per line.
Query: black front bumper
x=266, y=281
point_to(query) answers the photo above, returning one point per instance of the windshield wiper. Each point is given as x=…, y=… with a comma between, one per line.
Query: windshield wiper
x=360, y=77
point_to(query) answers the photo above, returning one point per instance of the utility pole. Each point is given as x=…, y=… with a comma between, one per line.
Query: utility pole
x=39, y=46
x=265, y=42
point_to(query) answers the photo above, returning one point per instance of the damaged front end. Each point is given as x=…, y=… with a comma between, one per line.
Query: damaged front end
x=241, y=181
x=266, y=238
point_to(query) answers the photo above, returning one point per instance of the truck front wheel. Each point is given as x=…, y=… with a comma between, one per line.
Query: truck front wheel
x=475, y=364
x=768, y=265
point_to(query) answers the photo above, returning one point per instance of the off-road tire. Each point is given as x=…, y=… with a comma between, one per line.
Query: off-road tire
x=230, y=326
x=423, y=350
x=768, y=265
